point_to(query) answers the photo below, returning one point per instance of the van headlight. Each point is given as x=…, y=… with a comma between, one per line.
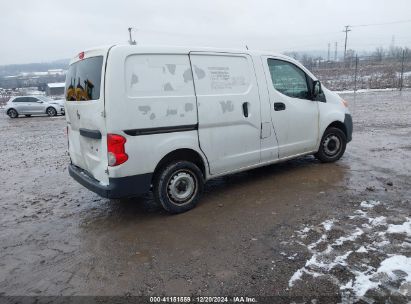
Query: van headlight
x=344, y=103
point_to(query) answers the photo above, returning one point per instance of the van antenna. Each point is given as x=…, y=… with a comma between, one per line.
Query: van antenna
x=246, y=46
x=131, y=41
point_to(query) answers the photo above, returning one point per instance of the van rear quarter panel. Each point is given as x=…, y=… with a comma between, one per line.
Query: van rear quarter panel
x=149, y=90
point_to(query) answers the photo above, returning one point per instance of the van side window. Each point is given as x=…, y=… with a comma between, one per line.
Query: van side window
x=288, y=79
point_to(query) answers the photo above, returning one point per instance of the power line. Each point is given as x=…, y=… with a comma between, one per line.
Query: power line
x=384, y=23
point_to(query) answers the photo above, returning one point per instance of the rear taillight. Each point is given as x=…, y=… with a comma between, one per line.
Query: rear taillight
x=116, y=152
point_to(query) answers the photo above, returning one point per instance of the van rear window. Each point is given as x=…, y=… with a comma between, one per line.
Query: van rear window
x=83, y=79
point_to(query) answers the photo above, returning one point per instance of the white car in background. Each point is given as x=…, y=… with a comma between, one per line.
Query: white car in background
x=34, y=105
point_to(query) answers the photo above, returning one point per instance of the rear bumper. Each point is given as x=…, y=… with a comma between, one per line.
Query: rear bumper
x=121, y=187
x=348, y=126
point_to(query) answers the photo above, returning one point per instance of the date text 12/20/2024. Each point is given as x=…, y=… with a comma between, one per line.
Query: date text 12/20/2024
x=203, y=299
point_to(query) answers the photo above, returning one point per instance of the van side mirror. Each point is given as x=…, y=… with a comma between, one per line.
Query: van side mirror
x=316, y=90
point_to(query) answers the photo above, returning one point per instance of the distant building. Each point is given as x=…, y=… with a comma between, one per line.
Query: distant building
x=55, y=89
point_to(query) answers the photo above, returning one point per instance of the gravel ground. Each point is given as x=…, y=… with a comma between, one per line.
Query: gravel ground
x=300, y=231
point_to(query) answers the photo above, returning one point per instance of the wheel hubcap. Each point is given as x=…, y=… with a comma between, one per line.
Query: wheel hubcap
x=332, y=145
x=51, y=112
x=181, y=187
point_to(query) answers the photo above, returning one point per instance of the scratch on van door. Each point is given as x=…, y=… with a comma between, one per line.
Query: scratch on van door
x=168, y=87
x=144, y=109
x=188, y=107
x=227, y=106
x=199, y=72
x=134, y=80
x=187, y=75
x=171, y=68
x=152, y=116
x=171, y=112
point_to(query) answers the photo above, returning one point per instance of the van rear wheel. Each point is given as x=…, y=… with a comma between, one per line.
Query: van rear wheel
x=332, y=146
x=178, y=186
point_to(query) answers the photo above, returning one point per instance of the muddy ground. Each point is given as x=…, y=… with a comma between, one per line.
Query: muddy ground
x=298, y=229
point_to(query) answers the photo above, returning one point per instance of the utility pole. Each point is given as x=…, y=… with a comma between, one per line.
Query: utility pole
x=131, y=41
x=356, y=72
x=335, y=51
x=347, y=29
x=329, y=46
x=402, y=70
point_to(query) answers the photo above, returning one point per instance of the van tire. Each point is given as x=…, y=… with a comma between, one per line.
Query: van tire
x=167, y=181
x=12, y=113
x=332, y=145
x=51, y=111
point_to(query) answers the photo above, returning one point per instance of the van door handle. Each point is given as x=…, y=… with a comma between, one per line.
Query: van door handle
x=279, y=106
x=95, y=134
x=245, y=109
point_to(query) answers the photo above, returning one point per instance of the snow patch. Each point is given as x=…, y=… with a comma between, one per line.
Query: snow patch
x=362, y=249
x=404, y=228
x=369, y=204
x=395, y=269
x=378, y=221
x=366, y=281
x=351, y=237
x=366, y=91
x=328, y=224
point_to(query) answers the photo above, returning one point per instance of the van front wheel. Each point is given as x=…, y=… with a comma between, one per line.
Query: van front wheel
x=332, y=146
x=178, y=186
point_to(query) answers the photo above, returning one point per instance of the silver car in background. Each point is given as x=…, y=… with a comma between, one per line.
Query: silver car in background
x=34, y=105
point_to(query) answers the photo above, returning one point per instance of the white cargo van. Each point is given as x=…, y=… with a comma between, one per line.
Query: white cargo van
x=171, y=118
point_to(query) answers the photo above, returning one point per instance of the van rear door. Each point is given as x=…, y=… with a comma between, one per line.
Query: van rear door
x=86, y=130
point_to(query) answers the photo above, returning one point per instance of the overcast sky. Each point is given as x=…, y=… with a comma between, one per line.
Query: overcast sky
x=45, y=30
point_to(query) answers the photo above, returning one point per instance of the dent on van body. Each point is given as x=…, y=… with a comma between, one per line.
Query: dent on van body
x=200, y=73
x=171, y=112
x=171, y=68
x=188, y=107
x=168, y=87
x=144, y=109
x=227, y=106
x=188, y=75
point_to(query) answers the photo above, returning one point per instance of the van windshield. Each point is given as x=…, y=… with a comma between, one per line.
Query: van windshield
x=83, y=79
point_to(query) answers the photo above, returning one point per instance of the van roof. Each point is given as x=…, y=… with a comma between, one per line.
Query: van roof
x=170, y=49
x=178, y=50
